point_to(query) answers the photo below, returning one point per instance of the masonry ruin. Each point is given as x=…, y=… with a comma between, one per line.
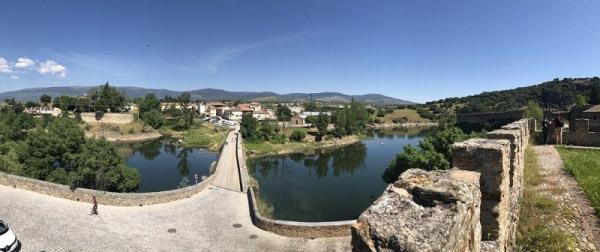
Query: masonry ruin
x=472, y=207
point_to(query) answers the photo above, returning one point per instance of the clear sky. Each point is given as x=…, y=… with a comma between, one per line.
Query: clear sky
x=415, y=50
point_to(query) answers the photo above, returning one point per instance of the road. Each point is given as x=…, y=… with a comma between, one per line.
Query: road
x=227, y=175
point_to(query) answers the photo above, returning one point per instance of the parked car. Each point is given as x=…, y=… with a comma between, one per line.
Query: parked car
x=8, y=239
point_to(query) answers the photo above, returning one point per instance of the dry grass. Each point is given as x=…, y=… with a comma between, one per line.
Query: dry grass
x=536, y=231
x=410, y=114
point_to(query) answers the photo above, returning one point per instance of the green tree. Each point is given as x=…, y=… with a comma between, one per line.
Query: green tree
x=99, y=166
x=322, y=122
x=310, y=106
x=45, y=100
x=533, y=110
x=298, y=135
x=434, y=153
x=267, y=130
x=185, y=99
x=149, y=102
x=580, y=101
x=248, y=126
x=595, y=94
x=105, y=98
x=153, y=118
x=283, y=113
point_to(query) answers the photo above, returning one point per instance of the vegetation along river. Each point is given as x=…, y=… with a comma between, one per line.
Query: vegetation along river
x=332, y=185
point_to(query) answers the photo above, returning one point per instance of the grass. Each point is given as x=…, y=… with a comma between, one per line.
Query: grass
x=585, y=166
x=134, y=127
x=410, y=114
x=204, y=136
x=536, y=231
x=306, y=146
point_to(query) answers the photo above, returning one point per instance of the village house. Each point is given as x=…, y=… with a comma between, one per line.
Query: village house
x=216, y=108
x=261, y=115
x=593, y=113
x=233, y=114
x=297, y=121
x=300, y=119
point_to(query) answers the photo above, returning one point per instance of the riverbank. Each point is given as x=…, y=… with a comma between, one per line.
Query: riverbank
x=204, y=136
x=131, y=132
x=258, y=149
x=402, y=125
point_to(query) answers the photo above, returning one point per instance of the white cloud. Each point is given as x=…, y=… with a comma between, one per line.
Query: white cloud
x=25, y=63
x=4, y=67
x=52, y=67
x=14, y=77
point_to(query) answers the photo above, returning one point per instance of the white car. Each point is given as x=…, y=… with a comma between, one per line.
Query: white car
x=8, y=239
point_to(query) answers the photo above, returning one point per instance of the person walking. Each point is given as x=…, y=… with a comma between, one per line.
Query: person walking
x=94, y=206
x=558, y=125
x=545, y=125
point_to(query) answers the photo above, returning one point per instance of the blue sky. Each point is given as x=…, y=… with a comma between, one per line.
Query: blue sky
x=415, y=50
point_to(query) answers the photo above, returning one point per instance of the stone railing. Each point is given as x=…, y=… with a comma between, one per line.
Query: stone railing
x=446, y=211
x=295, y=228
x=103, y=197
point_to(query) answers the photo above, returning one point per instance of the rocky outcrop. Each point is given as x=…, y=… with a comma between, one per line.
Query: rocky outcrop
x=423, y=211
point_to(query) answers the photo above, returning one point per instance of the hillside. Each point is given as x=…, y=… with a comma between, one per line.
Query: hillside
x=558, y=94
x=207, y=94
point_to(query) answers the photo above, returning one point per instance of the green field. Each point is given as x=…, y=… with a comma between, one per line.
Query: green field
x=585, y=166
x=410, y=114
x=205, y=136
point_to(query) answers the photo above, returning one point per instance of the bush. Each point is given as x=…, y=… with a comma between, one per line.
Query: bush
x=278, y=139
x=297, y=135
x=153, y=118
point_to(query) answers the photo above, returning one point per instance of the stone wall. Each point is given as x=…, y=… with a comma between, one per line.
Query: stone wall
x=112, y=118
x=408, y=216
x=297, y=229
x=581, y=134
x=103, y=197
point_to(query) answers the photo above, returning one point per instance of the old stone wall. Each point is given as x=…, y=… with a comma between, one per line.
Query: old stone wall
x=582, y=135
x=103, y=197
x=112, y=118
x=404, y=219
x=297, y=229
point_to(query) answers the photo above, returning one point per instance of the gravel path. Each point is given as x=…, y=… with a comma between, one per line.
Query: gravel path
x=215, y=219
x=563, y=188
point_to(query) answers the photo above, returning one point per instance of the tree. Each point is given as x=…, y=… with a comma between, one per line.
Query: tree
x=310, y=106
x=99, y=166
x=248, y=126
x=185, y=99
x=321, y=124
x=533, y=110
x=298, y=135
x=149, y=102
x=580, y=101
x=434, y=153
x=45, y=100
x=105, y=98
x=595, y=95
x=283, y=113
x=267, y=130
x=153, y=118
x=31, y=104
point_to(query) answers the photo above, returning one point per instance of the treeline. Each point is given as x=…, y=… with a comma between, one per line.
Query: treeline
x=55, y=149
x=555, y=94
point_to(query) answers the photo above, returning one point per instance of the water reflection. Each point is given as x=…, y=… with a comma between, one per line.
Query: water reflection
x=332, y=184
x=163, y=164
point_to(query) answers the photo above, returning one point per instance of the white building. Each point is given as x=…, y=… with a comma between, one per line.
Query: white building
x=233, y=115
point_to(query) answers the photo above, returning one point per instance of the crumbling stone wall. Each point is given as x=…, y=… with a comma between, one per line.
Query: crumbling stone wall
x=112, y=118
x=581, y=134
x=403, y=219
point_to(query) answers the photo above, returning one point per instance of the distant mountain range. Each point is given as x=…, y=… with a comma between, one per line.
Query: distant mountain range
x=207, y=94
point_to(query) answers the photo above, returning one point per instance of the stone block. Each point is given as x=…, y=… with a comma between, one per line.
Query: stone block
x=423, y=211
x=491, y=157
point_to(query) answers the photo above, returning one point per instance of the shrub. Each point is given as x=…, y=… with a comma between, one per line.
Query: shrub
x=278, y=139
x=297, y=135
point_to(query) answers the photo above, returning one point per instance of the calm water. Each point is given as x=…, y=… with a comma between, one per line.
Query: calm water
x=163, y=165
x=331, y=185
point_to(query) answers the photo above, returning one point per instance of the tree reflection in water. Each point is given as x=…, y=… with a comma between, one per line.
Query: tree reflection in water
x=342, y=160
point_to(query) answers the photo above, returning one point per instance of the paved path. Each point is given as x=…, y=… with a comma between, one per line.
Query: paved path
x=203, y=222
x=563, y=188
x=227, y=175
